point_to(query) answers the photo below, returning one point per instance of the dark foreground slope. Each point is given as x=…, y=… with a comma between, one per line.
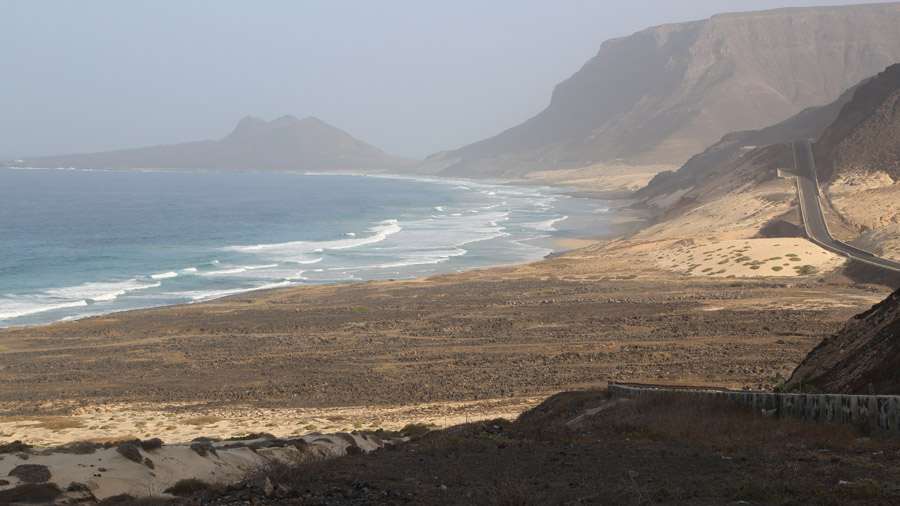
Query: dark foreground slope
x=286, y=143
x=666, y=93
x=588, y=448
x=866, y=352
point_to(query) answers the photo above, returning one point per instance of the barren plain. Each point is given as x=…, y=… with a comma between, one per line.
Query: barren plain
x=439, y=350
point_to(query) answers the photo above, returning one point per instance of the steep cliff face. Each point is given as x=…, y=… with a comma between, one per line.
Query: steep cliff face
x=286, y=143
x=666, y=93
x=866, y=134
x=866, y=351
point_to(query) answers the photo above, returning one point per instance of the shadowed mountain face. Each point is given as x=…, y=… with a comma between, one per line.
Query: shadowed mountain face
x=808, y=124
x=866, y=134
x=866, y=351
x=663, y=94
x=286, y=143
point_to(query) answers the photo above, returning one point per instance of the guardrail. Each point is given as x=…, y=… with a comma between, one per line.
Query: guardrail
x=875, y=412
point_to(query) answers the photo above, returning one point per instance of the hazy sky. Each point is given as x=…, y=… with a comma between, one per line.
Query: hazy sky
x=410, y=76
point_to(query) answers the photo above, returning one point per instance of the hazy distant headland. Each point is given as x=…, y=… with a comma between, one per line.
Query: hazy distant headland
x=283, y=144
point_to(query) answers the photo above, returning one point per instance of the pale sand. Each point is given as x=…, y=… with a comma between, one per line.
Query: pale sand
x=106, y=473
x=744, y=258
x=600, y=178
x=119, y=421
x=737, y=215
x=575, y=243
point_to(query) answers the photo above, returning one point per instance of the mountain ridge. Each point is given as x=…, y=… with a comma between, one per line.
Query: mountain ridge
x=666, y=93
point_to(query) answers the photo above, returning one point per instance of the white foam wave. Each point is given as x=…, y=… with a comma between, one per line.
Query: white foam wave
x=238, y=270
x=201, y=295
x=15, y=309
x=99, y=291
x=545, y=226
x=189, y=269
x=298, y=251
x=164, y=275
x=439, y=209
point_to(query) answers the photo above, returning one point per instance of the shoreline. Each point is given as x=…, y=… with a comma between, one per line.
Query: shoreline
x=561, y=245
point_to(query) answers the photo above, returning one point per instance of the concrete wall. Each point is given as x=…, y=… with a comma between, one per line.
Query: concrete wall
x=876, y=412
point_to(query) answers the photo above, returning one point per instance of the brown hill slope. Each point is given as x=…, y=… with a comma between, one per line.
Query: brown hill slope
x=866, y=351
x=666, y=93
x=286, y=143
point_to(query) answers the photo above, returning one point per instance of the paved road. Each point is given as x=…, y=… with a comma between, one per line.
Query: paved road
x=811, y=209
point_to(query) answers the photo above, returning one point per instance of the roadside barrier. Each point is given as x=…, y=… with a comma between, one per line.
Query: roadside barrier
x=875, y=412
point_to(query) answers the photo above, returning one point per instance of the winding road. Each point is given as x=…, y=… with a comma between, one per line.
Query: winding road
x=813, y=217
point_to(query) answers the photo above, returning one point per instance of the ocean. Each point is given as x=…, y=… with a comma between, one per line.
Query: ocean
x=76, y=243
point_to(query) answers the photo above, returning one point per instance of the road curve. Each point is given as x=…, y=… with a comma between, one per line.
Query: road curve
x=813, y=217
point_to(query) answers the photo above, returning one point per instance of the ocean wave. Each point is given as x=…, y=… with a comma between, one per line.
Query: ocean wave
x=294, y=251
x=15, y=309
x=545, y=226
x=164, y=275
x=202, y=295
x=237, y=270
x=99, y=291
x=189, y=270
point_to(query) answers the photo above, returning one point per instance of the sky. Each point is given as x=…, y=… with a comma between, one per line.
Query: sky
x=412, y=77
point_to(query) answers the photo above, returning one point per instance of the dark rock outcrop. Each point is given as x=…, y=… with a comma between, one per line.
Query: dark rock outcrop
x=863, y=356
x=31, y=473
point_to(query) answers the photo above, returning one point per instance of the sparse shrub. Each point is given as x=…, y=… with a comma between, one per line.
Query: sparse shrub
x=200, y=420
x=362, y=309
x=416, y=429
x=777, y=268
x=187, y=486
x=130, y=451
x=30, y=493
x=806, y=270
x=152, y=444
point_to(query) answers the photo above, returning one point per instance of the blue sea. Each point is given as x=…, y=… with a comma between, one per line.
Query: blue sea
x=76, y=243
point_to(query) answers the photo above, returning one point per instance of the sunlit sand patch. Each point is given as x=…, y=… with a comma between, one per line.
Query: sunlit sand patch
x=747, y=258
x=123, y=421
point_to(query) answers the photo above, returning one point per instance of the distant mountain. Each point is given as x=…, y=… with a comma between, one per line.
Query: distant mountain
x=666, y=93
x=286, y=143
x=865, y=352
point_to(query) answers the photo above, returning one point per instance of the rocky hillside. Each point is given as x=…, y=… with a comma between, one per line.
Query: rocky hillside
x=866, y=352
x=666, y=93
x=733, y=186
x=286, y=143
x=858, y=161
x=809, y=123
x=866, y=134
